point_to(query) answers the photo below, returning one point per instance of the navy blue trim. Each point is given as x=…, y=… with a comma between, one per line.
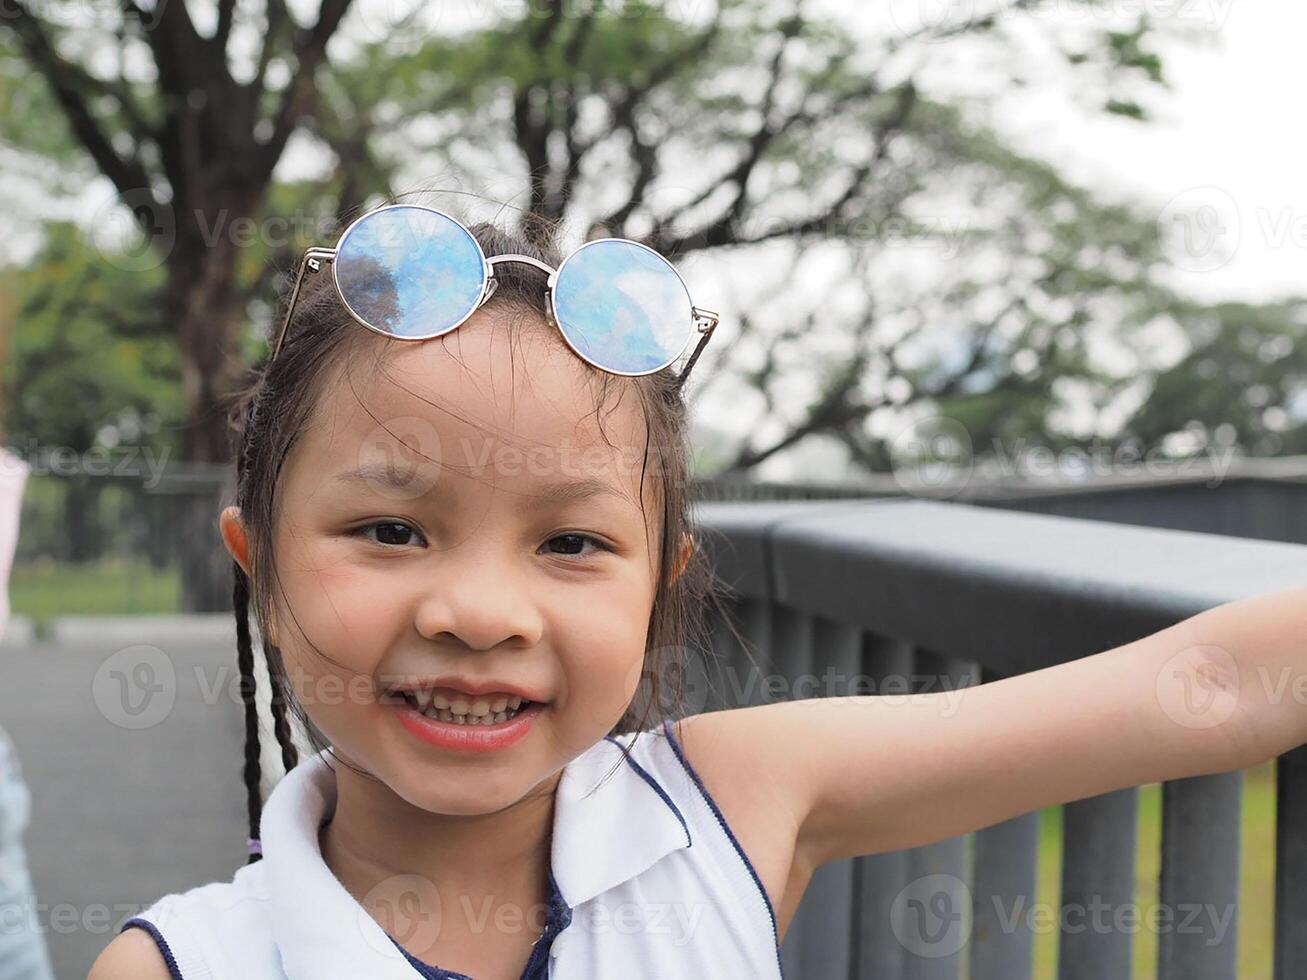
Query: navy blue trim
x=689, y=841
x=558, y=918
x=426, y=969
x=766, y=899
x=173, y=970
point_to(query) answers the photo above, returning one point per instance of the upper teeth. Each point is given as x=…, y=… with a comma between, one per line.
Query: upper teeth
x=463, y=704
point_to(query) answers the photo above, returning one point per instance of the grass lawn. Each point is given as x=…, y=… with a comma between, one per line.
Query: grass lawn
x=42, y=590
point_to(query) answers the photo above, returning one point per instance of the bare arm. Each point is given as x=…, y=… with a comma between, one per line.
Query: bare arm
x=1222, y=690
x=131, y=955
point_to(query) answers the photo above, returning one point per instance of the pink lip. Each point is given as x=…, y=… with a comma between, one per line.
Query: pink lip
x=467, y=738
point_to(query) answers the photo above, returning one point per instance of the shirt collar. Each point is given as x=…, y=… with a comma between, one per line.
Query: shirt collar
x=612, y=821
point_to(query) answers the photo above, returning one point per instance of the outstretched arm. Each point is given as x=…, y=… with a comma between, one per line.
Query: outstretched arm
x=1222, y=690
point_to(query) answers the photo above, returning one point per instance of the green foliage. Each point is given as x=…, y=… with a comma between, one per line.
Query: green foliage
x=87, y=352
x=1245, y=374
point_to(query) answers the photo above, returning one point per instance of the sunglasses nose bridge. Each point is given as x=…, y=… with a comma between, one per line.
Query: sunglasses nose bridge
x=544, y=267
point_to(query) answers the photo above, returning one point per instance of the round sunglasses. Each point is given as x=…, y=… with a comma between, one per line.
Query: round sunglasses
x=413, y=273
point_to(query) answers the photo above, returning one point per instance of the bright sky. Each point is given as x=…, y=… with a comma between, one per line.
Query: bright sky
x=1228, y=144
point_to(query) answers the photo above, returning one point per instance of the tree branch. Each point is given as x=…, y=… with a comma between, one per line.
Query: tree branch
x=127, y=173
x=300, y=95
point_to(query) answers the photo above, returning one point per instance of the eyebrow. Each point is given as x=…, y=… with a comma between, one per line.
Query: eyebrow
x=388, y=476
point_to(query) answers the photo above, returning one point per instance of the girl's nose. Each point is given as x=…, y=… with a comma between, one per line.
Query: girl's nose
x=480, y=604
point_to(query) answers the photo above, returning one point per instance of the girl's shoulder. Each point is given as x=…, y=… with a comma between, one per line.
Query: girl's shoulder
x=214, y=931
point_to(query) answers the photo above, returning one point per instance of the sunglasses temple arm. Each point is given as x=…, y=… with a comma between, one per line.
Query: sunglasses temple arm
x=706, y=331
x=312, y=261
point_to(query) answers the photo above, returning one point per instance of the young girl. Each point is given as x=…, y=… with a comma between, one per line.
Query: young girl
x=463, y=524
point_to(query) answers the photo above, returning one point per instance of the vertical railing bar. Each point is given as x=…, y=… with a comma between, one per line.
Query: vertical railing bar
x=1098, y=879
x=1199, y=883
x=1291, y=865
x=827, y=906
x=878, y=878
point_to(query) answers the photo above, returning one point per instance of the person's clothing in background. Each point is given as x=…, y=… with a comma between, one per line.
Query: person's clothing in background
x=23, y=953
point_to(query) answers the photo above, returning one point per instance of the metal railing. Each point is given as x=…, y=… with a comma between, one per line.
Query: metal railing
x=889, y=589
x=157, y=533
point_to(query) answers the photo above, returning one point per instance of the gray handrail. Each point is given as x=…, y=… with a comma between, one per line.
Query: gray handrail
x=893, y=583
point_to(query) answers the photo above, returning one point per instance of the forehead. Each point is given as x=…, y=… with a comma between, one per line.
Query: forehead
x=513, y=406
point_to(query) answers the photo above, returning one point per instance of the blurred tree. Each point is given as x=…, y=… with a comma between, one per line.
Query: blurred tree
x=90, y=372
x=91, y=366
x=942, y=266
x=189, y=143
x=1243, y=381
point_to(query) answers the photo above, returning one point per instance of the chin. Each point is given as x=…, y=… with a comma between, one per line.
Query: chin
x=461, y=794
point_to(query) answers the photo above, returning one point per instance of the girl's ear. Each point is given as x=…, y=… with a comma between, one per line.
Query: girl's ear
x=233, y=536
x=687, y=549
x=237, y=542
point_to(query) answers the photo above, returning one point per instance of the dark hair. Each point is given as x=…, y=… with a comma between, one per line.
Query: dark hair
x=273, y=404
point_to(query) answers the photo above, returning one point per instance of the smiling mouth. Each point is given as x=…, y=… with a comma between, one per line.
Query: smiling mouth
x=464, y=709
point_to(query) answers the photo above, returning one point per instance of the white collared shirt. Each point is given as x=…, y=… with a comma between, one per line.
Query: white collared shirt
x=648, y=882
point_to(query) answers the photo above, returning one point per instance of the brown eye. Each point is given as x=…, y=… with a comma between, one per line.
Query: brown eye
x=573, y=544
x=389, y=533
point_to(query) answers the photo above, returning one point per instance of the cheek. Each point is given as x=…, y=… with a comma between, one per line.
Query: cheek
x=332, y=642
x=603, y=657
x=338, y=607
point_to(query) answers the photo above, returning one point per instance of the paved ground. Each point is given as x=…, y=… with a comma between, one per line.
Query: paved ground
x=134, y=796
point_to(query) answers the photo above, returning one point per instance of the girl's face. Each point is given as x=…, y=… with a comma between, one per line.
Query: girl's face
x=460, y=516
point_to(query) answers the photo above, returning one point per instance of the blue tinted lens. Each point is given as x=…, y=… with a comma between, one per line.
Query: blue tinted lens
x=623, y=307
x=410, y=271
